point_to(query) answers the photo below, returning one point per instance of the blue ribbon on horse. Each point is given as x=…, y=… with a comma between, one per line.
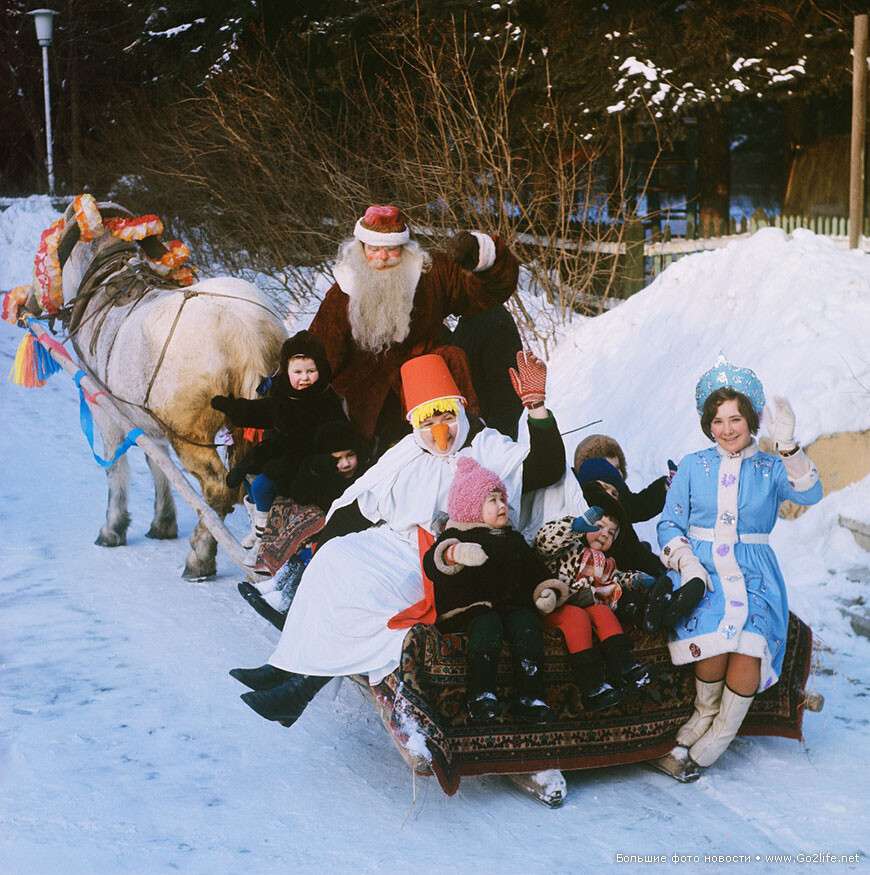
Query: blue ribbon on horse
x=87, y=422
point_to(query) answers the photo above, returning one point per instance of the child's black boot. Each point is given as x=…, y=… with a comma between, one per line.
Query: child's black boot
x=622, y=665
x=632, y=606
x=528, y=703
x=660, y=598
x=590, y=675
x=683, y=601
x=482, y=701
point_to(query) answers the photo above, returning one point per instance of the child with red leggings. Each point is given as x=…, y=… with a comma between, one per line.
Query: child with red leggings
x=583, y=602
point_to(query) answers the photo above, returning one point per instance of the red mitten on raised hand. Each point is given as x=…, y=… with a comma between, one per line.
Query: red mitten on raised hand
x=529, y=379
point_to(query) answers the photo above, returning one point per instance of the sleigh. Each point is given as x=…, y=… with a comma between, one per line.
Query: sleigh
x=422, y=706
x=422, y=703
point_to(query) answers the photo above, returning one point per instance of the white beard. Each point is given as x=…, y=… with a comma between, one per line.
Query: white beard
x=379, y=301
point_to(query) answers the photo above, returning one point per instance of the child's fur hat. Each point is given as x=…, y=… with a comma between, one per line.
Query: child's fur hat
x=304, y=343
x=599, y=446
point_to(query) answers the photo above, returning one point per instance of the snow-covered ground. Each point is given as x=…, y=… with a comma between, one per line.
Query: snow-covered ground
x=124, y=747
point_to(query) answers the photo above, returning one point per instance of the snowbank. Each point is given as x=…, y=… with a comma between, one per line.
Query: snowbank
x=20, y=227
x=796, y=311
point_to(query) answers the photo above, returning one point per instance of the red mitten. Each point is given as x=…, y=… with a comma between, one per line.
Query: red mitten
x=529, y=379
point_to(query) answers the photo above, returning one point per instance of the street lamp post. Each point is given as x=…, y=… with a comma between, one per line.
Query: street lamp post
x=44, y=21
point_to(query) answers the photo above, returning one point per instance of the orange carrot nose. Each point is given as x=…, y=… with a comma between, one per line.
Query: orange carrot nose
x=441, y=435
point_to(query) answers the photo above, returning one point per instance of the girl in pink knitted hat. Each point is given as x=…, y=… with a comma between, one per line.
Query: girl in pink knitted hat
x=485, y=575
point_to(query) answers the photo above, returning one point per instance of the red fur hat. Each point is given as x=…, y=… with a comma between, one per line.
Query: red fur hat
x=471, y=485
x=382, y=226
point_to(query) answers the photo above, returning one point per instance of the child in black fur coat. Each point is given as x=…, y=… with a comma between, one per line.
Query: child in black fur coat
x=485, y=576
x=300, y=400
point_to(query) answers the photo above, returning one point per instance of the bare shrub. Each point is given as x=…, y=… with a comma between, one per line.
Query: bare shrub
x=276, y=175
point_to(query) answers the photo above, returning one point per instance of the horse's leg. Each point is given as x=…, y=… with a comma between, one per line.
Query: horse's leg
x=164, y=525
x=114, y=532
x=205, y=464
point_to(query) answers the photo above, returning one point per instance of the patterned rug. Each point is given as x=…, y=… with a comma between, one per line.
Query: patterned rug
x=289, y=527
x=427, y=693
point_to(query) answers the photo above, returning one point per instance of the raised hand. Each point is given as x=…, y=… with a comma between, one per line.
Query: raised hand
x=529, y=379
x=464, y=249
x=779, y=421
x=588, y=521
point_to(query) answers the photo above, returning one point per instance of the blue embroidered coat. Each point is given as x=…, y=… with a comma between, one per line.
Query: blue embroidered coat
x=726, y=505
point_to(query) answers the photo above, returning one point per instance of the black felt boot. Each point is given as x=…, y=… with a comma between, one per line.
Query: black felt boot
x=660, y=598
x=528, y=702
x=263, y=678
x=252, y=596
x=285, y=702
x=632, y=606
x=683, y=602
x=482, y=701
x=590, y=675
x=622, y=665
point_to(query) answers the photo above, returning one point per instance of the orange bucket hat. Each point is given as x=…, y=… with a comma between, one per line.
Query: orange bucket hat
x=427, y=386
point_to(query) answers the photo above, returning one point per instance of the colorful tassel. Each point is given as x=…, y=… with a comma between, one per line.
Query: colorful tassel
x=33, y=364
x=45, y=363
x=24, y=370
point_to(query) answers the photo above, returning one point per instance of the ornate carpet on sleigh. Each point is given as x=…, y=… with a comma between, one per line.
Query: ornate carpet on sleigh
x=427, y=692
x=288, y=527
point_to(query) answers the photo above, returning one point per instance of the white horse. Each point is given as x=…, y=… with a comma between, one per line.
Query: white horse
x=162, y=354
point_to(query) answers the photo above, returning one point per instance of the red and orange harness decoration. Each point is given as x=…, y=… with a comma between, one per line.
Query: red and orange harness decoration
x=28, y=368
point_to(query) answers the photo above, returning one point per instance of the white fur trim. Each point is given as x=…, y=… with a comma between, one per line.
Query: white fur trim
x=736, y=600
x=377, y=238
x=701, y=534
x=802, y=473
x=675, y=550
x=486, y=249
x=440, y=562
x=456, y=611
x=710, y=644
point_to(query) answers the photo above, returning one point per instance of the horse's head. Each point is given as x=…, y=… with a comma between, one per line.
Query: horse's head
x=76, y=255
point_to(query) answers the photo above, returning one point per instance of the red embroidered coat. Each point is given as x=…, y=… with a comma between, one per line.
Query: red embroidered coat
x=369, y=382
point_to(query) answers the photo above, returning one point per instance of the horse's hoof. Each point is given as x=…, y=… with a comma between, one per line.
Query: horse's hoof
x=111, y=539
x=198, y=575
x=157, y=534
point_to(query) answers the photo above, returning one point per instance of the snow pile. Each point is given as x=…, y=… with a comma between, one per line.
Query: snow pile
x=796, y=311
x=20, y=227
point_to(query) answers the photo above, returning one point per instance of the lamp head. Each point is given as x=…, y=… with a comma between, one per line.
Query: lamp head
x=44, y=21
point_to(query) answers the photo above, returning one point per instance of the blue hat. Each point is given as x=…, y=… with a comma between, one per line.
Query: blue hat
x=725, y=375
x=601, y=469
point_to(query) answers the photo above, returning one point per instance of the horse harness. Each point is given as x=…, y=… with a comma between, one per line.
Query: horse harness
x=127, y=280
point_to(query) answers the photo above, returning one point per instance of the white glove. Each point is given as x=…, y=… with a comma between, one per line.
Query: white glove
x=678, y=556
x=549, y=594
x=546, y=601
x=468, y=554
x=779, y=422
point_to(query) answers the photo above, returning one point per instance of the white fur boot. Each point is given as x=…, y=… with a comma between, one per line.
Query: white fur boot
x=259, y=518
x=714, y=742
x=708, y=695
x=248, y=541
